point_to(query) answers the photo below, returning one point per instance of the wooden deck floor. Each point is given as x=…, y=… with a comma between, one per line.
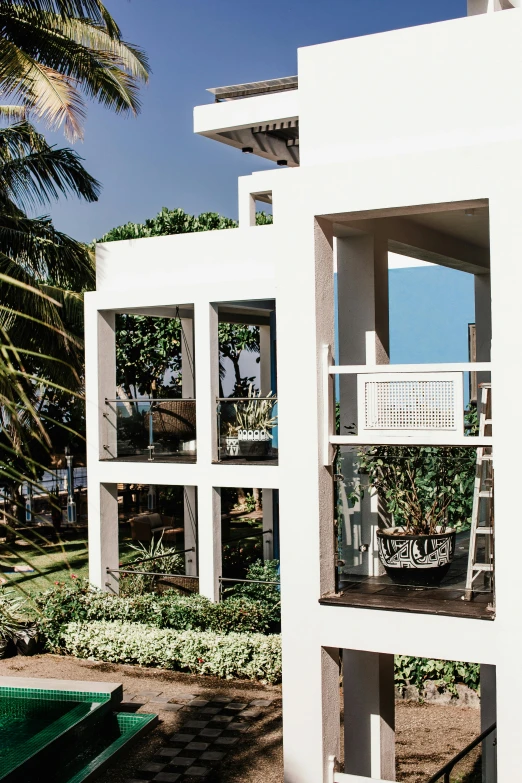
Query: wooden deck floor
x=191, y=459
x=381, y=593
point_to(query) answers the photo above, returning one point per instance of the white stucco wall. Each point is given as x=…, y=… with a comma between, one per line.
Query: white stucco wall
x=428, y=115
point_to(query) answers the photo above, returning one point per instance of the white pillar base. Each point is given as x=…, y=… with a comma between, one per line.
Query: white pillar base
x=209, y=523
x=369, y=714
x=268, y=524
x=190, y=530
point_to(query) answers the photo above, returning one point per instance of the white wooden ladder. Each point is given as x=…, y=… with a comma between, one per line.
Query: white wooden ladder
x=482, y=513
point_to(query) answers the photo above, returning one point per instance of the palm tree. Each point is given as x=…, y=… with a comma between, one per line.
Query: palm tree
x=42, y=274
x=32, y=251
x=52, y=51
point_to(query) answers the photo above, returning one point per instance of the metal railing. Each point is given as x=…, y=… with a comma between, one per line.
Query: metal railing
x=255, y=534
x=243, y=581
x=444, y=772
x=147, y=560
x=150, y=428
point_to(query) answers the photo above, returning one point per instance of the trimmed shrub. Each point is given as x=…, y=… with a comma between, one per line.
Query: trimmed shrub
x=78, y=602
x=243, y=655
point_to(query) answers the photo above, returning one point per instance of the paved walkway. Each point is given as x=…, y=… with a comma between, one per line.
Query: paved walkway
x=209, y=730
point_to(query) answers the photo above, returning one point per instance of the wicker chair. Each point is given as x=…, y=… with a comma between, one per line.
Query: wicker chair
x=145, y=527
x=174, y=418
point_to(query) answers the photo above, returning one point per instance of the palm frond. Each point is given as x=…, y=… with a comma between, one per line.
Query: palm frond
x=11, y=113
x=34, y=246
x=47, y=59
x=40, y=174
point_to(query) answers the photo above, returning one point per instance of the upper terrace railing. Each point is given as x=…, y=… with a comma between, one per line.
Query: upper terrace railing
x=236, y=91
x=402, y=404
x=141, y=429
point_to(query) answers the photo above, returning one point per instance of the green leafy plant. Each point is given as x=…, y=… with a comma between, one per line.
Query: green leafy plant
x=266, y=595
x=238, y=556
x=248, y=656
x=447, y=674
x=176, y=221
x=76, y=601
x=423, y=487
x=159, y=559
x=256, y=414
x=250, y=503
x=11, y=615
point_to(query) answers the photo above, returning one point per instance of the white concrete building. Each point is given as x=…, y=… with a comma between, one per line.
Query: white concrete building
x=409, y=142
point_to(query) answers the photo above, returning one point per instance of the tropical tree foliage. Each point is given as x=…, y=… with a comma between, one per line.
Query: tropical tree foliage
x=176, y=221
x=56, y=53
x=42, y=274
x=148, y=356
x=169, y=221
x=233, y=340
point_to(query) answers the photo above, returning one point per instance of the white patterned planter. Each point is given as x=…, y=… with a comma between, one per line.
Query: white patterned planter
x=253, y=443
x=416, y=560
x=231, y=447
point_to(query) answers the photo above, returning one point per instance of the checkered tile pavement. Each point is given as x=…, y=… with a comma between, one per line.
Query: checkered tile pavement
x=211, y=729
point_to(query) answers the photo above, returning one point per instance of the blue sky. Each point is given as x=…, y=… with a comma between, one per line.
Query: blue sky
x=155, y=160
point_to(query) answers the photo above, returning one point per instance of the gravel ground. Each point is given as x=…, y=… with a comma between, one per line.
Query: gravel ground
x=428, y=735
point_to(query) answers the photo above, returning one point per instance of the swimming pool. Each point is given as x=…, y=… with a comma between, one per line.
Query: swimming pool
x=67, y=736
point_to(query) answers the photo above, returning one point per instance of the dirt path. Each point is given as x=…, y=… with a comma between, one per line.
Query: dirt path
x=427, y=735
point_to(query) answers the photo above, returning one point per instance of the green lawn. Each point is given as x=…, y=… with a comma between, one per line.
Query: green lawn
x=52, y=562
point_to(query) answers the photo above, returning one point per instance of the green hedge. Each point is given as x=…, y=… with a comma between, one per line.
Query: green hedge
x=415, y=671
x=244, y=655
x=77, y=602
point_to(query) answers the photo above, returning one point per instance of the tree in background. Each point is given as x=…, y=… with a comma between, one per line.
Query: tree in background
x=168, y=222
x=148, y=356
x=233, y=340
x=52, y=51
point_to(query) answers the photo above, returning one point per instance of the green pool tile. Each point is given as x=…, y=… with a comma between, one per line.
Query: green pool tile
x=35, y=722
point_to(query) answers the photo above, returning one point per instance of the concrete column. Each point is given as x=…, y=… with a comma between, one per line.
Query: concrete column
x=483, y=7
x=369, y=714
x=483, y=323
x=107, y=384
x=265, y=369
x=311, y=711
x=363, y=336
x=488, y=715
x=268, y=524
x=310, y=672
x=206, y=354
x=190, y=530
x=103, y=537
x=101, y=444
x=188, y=385
x=209, y=522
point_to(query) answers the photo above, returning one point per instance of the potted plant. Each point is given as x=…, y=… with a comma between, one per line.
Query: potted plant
x=422, y=491
x=254, y=421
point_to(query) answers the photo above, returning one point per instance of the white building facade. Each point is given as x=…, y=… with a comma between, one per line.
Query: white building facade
x=410, y=142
